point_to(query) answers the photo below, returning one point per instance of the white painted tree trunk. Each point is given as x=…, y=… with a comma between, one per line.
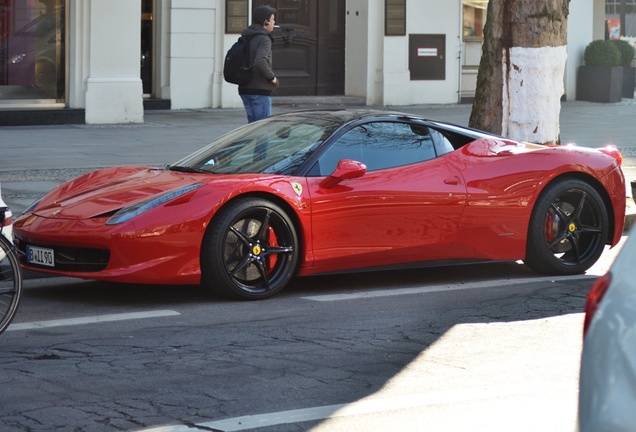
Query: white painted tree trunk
x=521, y=73
x=531, y=94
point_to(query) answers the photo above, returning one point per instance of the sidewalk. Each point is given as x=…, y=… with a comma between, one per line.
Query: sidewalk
x=38, y=158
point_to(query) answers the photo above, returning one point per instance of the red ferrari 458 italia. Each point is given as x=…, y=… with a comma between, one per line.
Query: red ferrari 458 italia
x=315, y=192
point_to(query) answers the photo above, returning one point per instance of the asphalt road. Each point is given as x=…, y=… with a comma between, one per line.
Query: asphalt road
x=481, y=348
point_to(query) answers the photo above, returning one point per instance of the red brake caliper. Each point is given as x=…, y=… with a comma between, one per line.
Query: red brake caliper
x=272, y=241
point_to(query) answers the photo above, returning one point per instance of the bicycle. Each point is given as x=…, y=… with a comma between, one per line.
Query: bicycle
x=10, y=276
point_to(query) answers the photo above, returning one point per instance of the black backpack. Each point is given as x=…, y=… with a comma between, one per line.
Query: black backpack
x=237, y=68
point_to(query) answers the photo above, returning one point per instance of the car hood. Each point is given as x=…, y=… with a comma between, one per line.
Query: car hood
x=103, y=192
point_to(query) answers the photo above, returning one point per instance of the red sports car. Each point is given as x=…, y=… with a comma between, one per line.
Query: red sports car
x=330, y=191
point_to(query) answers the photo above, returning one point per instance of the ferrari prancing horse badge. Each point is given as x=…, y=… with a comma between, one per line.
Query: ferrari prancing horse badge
x=297, y=187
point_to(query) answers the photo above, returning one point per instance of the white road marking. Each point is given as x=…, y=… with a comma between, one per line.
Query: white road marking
x=91, y=320
x=443, y=287
x=371, y=405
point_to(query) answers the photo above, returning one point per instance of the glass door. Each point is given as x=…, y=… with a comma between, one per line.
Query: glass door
x=32, y=50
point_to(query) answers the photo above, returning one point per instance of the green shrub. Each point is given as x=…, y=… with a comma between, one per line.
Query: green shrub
x=626, y=49
x=602, y=53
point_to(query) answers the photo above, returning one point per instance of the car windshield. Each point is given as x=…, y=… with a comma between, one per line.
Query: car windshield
x=277, y=145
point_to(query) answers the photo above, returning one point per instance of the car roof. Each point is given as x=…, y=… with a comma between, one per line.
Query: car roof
x=346, y=115
x=349, y=115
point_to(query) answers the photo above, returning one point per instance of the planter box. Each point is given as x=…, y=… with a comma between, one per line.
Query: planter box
x=629, y=81
x=600, y=84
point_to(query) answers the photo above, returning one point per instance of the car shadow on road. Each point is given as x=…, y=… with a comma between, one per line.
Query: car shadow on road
x=105, y=296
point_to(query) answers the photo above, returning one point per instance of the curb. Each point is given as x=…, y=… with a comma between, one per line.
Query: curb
x=629, y=222
x=630, y=217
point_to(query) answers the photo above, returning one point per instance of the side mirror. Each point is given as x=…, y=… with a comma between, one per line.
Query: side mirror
x=347, y=169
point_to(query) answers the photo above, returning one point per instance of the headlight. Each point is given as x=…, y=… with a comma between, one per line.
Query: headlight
x=127, y=213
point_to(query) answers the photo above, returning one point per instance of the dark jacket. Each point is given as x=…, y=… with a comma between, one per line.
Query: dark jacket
x=261, y=55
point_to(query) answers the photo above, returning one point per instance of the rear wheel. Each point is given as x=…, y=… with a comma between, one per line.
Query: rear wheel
x=568, y=229
x=250, y=250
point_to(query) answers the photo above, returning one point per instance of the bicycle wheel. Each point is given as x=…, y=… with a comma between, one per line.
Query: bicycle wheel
x=10, y=283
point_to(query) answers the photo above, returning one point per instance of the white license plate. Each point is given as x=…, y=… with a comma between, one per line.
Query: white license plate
x=41, y=256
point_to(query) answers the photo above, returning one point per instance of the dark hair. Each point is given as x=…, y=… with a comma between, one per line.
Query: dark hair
x=262, y=14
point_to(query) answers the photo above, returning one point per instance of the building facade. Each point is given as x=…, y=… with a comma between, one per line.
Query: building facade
x=108, y=59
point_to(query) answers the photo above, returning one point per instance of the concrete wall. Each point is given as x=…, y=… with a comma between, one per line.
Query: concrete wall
x=598, y=23
x=377, y=66
x=113, y=85
x=424, y=17
x=357, y=67
x=193, y=27
x=580, y=33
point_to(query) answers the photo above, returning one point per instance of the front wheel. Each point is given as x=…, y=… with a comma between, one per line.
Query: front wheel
x=250, y=250
x=568, y=229
x=10, y=283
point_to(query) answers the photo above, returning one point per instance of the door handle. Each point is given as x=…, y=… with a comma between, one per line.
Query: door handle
x=451, y=180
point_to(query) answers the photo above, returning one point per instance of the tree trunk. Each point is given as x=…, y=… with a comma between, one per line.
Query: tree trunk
x=520, y=78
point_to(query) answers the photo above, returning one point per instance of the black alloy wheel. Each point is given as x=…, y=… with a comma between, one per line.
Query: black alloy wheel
x=250, y=251
x=568, y=229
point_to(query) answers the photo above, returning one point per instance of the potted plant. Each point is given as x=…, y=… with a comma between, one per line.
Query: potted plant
x=601, y=78
x=629, y=73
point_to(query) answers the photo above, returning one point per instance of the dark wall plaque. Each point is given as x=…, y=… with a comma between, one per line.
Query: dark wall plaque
x=427, y=56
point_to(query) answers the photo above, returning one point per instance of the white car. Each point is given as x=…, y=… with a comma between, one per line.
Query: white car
x=7, y=221
x=607, y=388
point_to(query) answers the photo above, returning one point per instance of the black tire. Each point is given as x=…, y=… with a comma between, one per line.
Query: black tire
x=10, y=283
x=250, y=250
x=568, y=229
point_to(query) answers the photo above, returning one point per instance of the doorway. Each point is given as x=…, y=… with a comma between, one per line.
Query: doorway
x=308, y=53
x=147, y=44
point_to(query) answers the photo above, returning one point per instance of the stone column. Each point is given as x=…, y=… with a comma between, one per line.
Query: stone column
x=114, y=92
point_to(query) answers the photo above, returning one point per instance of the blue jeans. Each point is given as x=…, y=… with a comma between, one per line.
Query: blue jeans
x=257, y=107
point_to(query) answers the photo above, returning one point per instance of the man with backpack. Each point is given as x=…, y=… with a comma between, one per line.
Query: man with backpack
x=256, y=94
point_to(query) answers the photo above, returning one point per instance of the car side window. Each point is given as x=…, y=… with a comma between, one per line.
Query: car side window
x=380, y=145
x=442, y=144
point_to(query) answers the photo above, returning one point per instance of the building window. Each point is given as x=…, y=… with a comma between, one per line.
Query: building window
x=474, y=15
x=616, y=7
x=32, y=54
x=622, y=12
x=236, y=14
x=395, y=18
